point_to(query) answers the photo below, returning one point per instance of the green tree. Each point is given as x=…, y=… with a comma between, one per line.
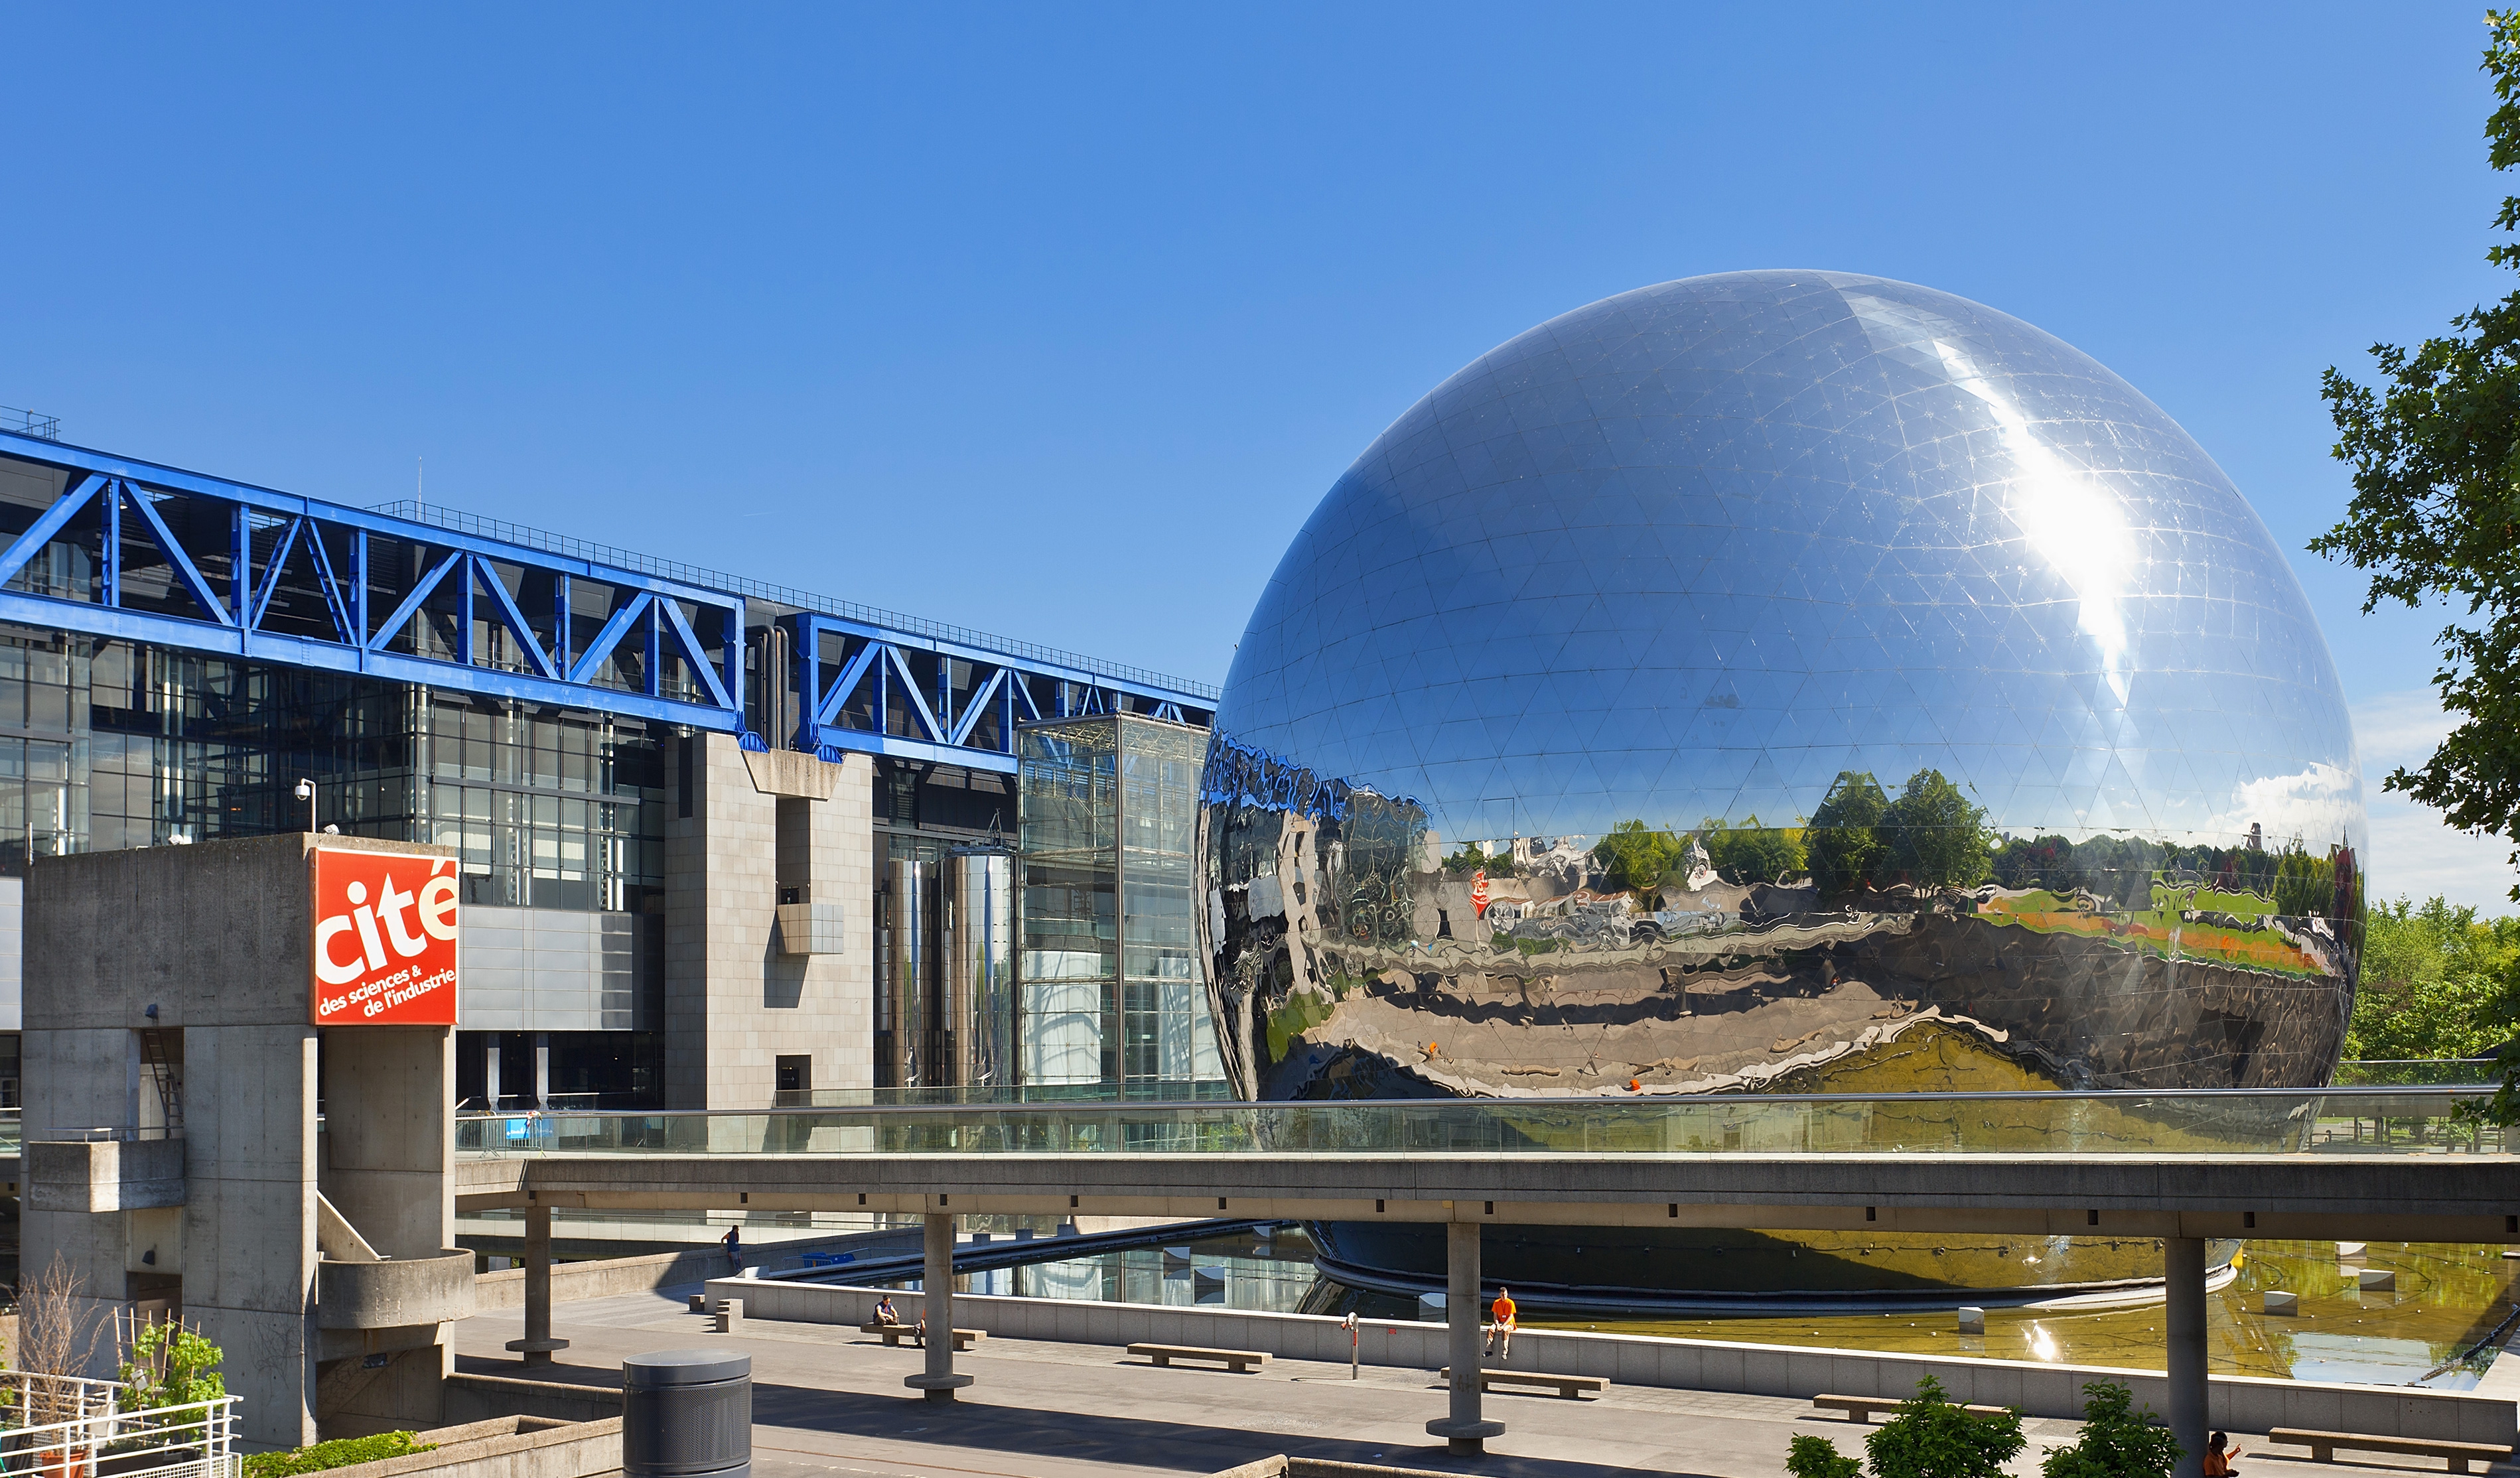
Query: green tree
x=2116, y=1442
x=2305, y=885
x=1938, y=838
x=1635, y=857
x=1931, y=1438
x=1752, y=853
x=2436, y=509
x=2437, y=982
x=1468, y=858
x=1844, y=838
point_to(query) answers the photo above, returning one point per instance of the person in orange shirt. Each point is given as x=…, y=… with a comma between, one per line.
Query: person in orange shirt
x=2219, y=1454
x=1501, y=1324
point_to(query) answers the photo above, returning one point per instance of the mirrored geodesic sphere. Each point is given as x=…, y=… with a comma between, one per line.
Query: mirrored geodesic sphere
x=1731, y=680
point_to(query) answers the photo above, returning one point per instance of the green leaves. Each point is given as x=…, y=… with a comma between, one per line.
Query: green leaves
x=1634, y=857
x=1844, y=837
x=1938, y=838
x=1813, y=1457
x=340, y=1453
x=171, y=1365
x=2436, y=511
x=1931, y=1438
x=1752, y=853
x=2437, y=982
x=2116, y=1442
x=1932, y=835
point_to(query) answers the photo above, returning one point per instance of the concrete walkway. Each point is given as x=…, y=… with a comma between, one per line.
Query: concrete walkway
x=829, y=1401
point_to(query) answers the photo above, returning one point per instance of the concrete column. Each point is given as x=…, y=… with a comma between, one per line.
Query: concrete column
x=1462, y=1430
x=537, y=1345
x=936, y=1287
x=2184, y=1267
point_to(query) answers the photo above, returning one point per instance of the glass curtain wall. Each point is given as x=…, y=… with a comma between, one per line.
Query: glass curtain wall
x=1111, y=997
x=105, y=744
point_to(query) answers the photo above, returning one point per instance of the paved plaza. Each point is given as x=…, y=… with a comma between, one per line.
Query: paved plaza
x=829, y=1401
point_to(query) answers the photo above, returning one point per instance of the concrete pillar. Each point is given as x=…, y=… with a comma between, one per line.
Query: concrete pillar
x=1462, y=1430
x=537, y=1345
x=542, y=1069
x=2183, y=1269
x=936, y=1300
x=490, y=1071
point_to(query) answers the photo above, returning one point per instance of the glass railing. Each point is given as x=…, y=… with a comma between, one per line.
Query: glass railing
x=2417, y=1120
x=11, y=1135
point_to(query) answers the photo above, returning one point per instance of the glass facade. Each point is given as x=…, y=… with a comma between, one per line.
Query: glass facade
x=1111, y=996
x=105, y=744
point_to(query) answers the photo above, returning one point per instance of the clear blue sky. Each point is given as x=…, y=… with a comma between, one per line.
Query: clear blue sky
x=1057, y=320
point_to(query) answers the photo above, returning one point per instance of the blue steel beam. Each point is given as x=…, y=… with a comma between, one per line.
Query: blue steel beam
x=650, y=606
x=882, y=660
x=230, y=622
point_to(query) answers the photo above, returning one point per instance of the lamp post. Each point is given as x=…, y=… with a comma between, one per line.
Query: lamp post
x=306, y=793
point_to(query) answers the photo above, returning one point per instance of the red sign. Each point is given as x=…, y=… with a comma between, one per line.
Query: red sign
x=1479, y=892
x=383, y=951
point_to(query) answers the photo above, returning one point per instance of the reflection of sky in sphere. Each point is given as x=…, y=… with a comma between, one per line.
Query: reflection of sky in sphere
x=1691, y=551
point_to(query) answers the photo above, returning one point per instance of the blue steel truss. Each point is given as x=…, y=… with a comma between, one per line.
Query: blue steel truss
x=181, y=559
x=647, y=659
x=867, y=688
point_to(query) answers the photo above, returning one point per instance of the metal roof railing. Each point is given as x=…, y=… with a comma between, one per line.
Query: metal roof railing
x=691, y=574
x=29, y=422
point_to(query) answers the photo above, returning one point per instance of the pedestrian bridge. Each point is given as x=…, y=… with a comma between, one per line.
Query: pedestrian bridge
x=2413, y=1163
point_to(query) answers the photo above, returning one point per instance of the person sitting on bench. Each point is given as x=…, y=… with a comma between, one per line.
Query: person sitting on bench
x=884, y=1313
x=2219, y=1454
x=1502, y=1312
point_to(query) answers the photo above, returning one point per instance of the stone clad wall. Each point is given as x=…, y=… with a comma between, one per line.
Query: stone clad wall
x=733, y=1002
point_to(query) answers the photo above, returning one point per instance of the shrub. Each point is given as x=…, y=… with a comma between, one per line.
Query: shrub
x=1819, y=1458
x=170, y=1365
x=1931, y=1438
x=2117, y=1441
x=341, y=1453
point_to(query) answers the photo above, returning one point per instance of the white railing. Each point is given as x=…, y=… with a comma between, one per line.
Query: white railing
x=57, y=1426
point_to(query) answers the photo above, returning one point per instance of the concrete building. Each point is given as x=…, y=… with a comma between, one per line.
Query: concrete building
x=698, y=819
x=320, y=1259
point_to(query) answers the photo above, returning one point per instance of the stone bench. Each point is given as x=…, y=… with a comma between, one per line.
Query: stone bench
x=1237, y=1361
x=1861, y=1408
x=1572, y=1387
x=893, y=1333
x=2323, y=1445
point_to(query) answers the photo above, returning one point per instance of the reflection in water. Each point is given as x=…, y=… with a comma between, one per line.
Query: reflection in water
x=2447, y=1298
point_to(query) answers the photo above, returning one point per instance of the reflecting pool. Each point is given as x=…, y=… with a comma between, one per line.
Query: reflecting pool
x=2447, y=1299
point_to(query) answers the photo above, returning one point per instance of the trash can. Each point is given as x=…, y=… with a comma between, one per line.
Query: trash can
x=687, y=1413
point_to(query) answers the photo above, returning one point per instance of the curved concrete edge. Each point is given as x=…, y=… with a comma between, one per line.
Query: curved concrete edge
x=400, y=1291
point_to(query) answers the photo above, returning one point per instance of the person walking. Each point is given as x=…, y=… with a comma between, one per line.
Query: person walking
x=1500, y=1324
x=735, y=1246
